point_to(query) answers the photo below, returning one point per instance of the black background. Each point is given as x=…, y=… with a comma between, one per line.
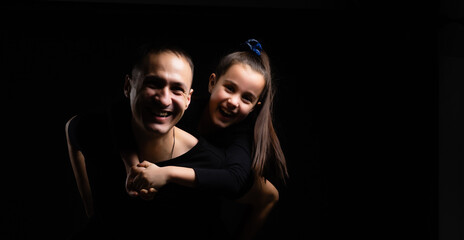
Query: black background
x=356, y=107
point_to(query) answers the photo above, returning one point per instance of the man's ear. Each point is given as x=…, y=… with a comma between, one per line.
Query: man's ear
x=188, y=98
x=212, y=82
x=127, y=86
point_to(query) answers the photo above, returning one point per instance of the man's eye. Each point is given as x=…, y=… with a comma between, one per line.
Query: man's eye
x=177, y=90
x=153, y=84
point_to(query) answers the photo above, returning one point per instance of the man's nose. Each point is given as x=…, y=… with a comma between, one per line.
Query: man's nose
x=163, y=96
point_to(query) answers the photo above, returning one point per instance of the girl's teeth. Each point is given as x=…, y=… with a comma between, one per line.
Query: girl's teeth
x=226, y=112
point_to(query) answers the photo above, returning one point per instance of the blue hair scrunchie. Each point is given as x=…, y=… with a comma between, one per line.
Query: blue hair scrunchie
x=254, y=46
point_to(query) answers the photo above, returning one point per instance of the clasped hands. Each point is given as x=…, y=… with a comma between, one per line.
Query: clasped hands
x=144, y=180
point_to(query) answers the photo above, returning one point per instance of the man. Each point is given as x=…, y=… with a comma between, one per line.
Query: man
x=158, y=92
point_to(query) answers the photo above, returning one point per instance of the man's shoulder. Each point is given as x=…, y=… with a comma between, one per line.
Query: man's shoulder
x=186, y=140
x=87, y=129
x=88, y=121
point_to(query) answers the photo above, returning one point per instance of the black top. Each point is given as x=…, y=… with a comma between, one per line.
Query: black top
x=175, y=212
x=235, y=179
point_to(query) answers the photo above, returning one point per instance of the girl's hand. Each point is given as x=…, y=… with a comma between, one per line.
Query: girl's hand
x=135, y=186
x=149, y=177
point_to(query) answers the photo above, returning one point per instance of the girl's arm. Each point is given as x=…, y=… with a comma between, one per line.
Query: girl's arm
x=230, y=180
x=80, y=173
x=144, y=179
x=151, y=175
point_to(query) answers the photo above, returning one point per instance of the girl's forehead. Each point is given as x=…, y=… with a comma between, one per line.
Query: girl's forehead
x=243, y=71
x=245, y=77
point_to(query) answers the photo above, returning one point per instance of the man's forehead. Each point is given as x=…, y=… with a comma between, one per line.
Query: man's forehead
x=170, y=67
x=169, y=60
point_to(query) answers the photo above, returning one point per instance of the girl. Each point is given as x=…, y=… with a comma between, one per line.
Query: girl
x=240, y=103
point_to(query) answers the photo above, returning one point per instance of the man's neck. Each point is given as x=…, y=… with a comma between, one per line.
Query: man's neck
x=154, y=147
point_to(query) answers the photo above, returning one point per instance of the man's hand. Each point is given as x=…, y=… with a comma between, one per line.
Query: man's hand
x=132, y=172
x=130, y=160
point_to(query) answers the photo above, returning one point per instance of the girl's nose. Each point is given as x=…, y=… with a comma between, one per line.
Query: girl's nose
x=233, y=102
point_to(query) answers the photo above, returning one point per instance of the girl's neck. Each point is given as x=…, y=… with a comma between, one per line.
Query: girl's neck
x=205, y=125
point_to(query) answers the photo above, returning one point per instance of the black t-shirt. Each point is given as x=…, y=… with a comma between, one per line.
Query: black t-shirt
x=175, y=212
x=235, y=179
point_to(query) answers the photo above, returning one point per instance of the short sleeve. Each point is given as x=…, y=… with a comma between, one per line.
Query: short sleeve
x=73, y=133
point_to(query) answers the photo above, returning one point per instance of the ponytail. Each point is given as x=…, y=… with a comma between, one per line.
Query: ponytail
x=267, y=152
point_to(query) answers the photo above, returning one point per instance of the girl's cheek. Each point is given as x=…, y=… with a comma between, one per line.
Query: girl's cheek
x=220, y=95
x=214, y=100
x=245, y=112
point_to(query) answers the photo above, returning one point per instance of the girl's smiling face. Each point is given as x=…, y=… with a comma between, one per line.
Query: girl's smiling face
x=234, y=95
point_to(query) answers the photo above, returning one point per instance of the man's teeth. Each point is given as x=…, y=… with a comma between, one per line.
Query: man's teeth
x=162, y=114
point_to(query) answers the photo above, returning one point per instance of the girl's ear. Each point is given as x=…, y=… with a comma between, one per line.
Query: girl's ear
x=127, y=86
x=212, y=82
x=256, y=105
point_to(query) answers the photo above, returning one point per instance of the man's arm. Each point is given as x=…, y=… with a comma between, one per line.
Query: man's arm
x=80, y=173
x=130, y=160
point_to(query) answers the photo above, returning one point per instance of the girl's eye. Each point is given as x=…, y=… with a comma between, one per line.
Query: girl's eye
x=247, y=100
x=229, y=88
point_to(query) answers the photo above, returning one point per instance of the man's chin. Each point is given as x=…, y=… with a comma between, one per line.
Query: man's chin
x=158, y=129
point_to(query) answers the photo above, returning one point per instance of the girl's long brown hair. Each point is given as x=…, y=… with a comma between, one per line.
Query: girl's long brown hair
x=267, y=152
